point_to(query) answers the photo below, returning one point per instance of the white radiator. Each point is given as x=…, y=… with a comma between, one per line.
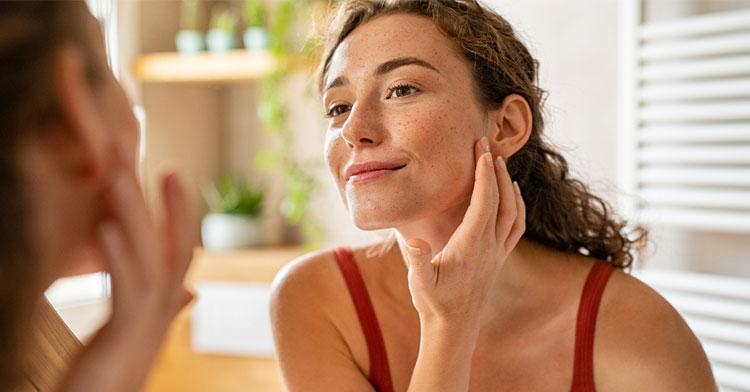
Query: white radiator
x=684, y=134
x=717, y=309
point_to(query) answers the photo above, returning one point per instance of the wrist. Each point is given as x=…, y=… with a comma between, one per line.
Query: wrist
x=139, y=328
x=464, y=326
x=449, y=335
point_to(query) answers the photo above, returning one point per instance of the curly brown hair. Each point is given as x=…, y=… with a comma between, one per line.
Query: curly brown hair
x=561, y=213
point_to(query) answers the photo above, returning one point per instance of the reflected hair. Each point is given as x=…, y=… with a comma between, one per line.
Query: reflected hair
x=561, y=212
x=30, y=34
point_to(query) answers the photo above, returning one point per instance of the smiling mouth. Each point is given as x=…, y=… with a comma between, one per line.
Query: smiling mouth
x=368, y=175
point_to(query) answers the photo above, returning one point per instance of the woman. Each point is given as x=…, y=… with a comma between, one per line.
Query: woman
x=486, y=290
x=70, y=200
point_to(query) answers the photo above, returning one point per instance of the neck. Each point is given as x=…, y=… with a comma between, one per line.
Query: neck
x=437, y=231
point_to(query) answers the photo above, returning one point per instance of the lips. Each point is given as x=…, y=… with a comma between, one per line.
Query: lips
x=357, y=172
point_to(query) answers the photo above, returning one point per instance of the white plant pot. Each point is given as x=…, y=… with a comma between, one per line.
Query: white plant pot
x=256, y=39
x=220, y=41
x=189, y=41
x=229, y=231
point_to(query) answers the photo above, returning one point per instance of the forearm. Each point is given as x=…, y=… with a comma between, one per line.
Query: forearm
x=445, y=356
x=118, y=359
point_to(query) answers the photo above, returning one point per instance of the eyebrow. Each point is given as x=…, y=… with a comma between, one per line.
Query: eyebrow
x=386, y=67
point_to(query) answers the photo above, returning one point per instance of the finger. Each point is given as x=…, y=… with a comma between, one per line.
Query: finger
x=507, y=211
x=112, y=247
x=419, y=259
x=519, y=225
x=480, y=147
x=483, y=204
x=129, y=210
x=178, y=226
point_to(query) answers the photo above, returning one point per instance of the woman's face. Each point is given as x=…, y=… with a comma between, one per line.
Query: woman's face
x=403, y=120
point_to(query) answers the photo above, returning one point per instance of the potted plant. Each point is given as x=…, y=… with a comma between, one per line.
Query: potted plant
x=233, y=221
x=189, y=39
x=256, y=34
x=221, y=36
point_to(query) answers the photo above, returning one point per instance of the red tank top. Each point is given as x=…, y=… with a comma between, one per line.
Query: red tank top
x=380, y=375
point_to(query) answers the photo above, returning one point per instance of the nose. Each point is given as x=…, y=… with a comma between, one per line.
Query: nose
x=363, y=127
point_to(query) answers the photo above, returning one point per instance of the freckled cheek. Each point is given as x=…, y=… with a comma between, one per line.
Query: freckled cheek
x=436, y=139
x=419, y=127
x=335, y=155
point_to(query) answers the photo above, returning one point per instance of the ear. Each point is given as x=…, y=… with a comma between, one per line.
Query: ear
x=76, y=134
x=511, y=126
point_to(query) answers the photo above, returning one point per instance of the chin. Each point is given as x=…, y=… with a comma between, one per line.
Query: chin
x=368, y=225
x=377, y=217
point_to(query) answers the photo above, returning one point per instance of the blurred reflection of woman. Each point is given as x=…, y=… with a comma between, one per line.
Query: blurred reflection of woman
x=69, y=196
x=435, y=124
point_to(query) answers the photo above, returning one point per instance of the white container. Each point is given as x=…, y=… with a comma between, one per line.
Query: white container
x=232, y=318
x=230, y=231
x=189, y=41
x=256, y=39
x=220, y=41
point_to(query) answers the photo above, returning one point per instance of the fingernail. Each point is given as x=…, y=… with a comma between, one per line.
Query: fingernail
x=415, y=251
x=489, y=158
x=485, y=144
x=517, y=188
x=501, y=161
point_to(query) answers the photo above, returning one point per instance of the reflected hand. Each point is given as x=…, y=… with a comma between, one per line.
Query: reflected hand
x=147, y=264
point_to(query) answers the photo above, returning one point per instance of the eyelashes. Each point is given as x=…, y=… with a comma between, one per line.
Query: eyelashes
x=398, y=91
x=335, y=112
x=401, y=90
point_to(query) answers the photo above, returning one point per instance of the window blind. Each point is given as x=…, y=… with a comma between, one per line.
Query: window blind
x=684, y=134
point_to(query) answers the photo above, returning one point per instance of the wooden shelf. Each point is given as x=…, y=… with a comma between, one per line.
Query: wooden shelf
x=204, y=67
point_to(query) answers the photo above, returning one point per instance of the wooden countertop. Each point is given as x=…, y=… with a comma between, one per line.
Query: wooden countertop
x=179, y=368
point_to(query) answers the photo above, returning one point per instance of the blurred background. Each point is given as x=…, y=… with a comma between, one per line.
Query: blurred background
x=648, y=99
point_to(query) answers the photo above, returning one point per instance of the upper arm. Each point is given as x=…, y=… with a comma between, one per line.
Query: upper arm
x=645, y=344
x=312, y=352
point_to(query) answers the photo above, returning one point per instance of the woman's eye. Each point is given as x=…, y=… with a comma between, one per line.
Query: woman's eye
x=337, y=110
x=402, y=90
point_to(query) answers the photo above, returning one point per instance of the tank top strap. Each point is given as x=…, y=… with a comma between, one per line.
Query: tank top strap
x=380, y=375
x=583, y=362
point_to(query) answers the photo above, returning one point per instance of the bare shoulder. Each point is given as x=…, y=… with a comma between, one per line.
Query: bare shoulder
x=643, y=344
x=309, y=319
x=305, y=286
x=304, y=273
x=316, y=277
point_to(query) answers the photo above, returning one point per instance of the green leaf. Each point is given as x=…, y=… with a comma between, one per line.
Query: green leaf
x=234, y=195
x=254, y=12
